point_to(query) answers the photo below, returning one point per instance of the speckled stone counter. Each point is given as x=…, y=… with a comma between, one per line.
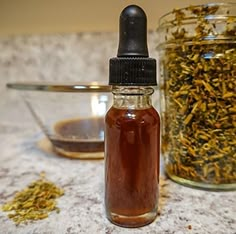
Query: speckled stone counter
x=181, y=209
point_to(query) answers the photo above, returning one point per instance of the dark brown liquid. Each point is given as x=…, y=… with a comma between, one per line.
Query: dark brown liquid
x=80, y=135
x=132, y=163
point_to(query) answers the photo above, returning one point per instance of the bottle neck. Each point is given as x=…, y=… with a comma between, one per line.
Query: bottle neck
x=132, y=97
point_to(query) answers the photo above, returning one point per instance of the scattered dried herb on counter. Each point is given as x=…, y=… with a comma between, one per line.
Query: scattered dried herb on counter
x=199, y=138
x=34, y=202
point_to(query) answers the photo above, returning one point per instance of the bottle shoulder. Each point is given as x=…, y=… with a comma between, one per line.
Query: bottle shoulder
x=138, y=115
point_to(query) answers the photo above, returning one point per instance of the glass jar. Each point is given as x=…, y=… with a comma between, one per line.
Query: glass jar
x=197, y=54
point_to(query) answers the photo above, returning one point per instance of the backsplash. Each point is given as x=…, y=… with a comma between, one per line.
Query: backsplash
x=69, y=57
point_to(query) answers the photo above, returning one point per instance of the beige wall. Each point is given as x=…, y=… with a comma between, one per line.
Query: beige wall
x=52, y=16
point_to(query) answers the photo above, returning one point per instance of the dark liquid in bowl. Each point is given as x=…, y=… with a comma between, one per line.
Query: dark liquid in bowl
x=80, y=135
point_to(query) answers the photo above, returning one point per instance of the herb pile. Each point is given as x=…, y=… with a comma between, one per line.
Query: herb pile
x=199, y=135
x=35, y=202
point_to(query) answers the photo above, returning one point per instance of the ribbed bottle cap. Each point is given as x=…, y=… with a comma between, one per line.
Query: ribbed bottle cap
x=132, y=71
x=132, y=66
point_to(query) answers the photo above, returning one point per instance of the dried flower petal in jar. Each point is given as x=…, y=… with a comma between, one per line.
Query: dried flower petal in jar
x=198, y=86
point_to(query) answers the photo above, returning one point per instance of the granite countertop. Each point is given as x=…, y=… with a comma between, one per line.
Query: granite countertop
x=181, y=209
x=57, y=57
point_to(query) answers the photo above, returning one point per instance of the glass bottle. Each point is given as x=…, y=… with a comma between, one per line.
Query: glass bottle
x=132, y=162
x=132, y=128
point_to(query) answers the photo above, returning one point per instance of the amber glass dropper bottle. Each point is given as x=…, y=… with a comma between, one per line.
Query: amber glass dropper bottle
x=132, y=128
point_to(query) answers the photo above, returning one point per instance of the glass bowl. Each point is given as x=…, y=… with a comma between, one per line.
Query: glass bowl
x=71, y=116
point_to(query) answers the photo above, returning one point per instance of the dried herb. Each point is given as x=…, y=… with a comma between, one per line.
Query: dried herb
x=199, y=137
x=35, y=202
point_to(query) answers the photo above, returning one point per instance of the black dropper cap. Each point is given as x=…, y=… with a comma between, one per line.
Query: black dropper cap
x=132, y=67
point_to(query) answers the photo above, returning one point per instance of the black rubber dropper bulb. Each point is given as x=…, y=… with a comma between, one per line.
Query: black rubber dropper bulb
x=133, y=32
x=132, y=66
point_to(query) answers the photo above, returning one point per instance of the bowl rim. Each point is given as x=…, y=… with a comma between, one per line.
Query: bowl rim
x=89, y=87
